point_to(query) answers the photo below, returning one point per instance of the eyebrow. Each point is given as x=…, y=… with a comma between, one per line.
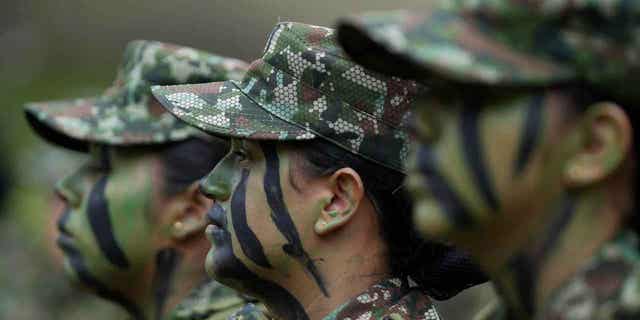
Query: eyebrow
x=105, y=157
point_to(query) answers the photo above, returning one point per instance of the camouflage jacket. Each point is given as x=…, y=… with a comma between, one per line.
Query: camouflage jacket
x=391, y=299
x=608, y=288
x=212, y=301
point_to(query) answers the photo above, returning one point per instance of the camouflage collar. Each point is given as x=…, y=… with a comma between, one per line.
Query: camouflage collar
x=607, y=288
x=207, y=300
x=391, y=299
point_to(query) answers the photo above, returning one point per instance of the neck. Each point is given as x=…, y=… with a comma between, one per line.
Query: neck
x=174, y=276
x=359, y=263
x=558, y=246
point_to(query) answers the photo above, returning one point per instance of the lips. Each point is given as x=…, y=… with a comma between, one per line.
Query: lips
x=217, y=223
x=216, y=216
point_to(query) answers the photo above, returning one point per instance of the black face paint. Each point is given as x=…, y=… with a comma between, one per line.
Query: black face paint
x=100, y=222
x=249, y=243
x=281, y=217
x=77, y=263
x=166, y=262
x=282, y=303
x=446, y=196
x=474, y=156
x=527, y=265
x=530, y=133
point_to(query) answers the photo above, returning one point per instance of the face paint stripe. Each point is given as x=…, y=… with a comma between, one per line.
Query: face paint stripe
x=100, y=222
x=249, y=243
x=525, y=280
x=530, y=133
x=281, y=217
x=474, y=155
x=166, y=262
x=77, y=264
x=559, y=223
x=527, y=266
x=282, y=303
x=441, y=190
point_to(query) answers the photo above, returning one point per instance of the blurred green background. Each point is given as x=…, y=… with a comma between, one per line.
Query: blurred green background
x=60, y=49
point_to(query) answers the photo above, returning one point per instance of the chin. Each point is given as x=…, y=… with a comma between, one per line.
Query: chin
x=219, y=263
x=430, y=220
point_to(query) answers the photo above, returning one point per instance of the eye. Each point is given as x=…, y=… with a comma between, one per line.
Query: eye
x=241, y=154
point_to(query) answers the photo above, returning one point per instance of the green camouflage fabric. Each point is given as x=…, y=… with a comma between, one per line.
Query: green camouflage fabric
x=505, y=43
x=251, y=311
x=304, y=87
x=608, y=288
x=211, y=301
x=126, y=113
x=390, y=299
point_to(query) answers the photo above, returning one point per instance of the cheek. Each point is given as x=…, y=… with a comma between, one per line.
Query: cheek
x=260, y=222
x=502, y=137
x=454, y=163
x=130, y=201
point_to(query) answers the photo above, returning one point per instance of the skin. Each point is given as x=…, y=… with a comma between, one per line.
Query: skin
x=526, y=178
x=124, y=239
x=301, y=244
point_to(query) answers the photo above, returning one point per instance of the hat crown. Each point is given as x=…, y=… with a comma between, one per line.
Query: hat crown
x=599, y=40
x=304, y=78
x=147, y=63
x=125, y=114
x=311, y=55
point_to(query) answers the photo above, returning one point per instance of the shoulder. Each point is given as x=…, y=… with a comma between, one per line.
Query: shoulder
x=250, y=311
x=211, y=300
x=608, y=288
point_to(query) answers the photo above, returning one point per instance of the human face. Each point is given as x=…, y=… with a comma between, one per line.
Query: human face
x=262, y=223
x=486, y=158
x=108, y=227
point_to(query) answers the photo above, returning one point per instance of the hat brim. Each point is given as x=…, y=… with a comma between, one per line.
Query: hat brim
x=59, y=122
x=73, y=124
x=443, y=45
x=223, y=109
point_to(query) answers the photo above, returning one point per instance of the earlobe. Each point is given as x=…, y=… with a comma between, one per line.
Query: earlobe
x=348, y=190
x=191, y=220
x=604, y=145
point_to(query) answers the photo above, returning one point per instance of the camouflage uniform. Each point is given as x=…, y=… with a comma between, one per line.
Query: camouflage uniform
x=607, y=288
x=509, y=44
x=304, y=88
x=212, y=301
x=391, y=299
x=127, y=115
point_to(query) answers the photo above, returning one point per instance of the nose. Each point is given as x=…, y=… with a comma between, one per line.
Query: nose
x=216, y=185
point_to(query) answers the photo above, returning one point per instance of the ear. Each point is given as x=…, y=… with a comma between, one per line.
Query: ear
x=605, y=142
x=347, y=192
x=191, y=218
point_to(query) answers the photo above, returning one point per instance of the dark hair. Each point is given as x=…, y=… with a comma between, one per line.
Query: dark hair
x=439, y=269
x=189, y=160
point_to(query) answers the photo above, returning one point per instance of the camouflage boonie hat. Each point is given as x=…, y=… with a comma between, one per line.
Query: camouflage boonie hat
x=127, y=114
x=505, y=43
x=303, y=87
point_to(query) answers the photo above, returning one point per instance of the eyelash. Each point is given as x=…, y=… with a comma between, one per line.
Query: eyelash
x=241, y=155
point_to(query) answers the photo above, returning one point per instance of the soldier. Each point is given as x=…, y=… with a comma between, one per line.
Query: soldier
x=311, y=215
x=527, y=143
x=132, y=231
